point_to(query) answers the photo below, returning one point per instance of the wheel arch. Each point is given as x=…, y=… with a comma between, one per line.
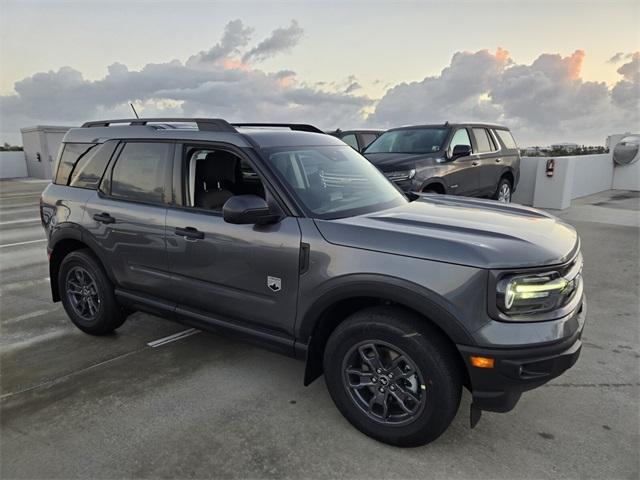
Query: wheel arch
x=63, y=243
x=332, y=308
x=436, y=184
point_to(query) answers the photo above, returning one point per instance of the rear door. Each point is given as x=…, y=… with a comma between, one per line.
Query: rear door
x=244, y=274
x=125, y=219
x=489, y=161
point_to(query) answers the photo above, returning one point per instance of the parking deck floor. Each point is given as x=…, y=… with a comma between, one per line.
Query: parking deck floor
x=76, y=406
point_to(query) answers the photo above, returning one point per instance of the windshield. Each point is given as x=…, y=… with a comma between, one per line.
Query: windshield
x=412, y=140
x=334, y=181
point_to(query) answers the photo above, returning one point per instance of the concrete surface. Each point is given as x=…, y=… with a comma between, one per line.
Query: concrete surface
x=75, y=406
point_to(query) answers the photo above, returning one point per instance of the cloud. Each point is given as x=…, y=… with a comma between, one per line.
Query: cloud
x=235, y=36
x=616, y=58
x=542, y=102
x=216, y=82
x=352, y=87
x=281, y=40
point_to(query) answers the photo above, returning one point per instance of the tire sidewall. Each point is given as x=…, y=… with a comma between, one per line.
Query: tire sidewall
x=439, y=392
x=104, y=319
x=504, y=181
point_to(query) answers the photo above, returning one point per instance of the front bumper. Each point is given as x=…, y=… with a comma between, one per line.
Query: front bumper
x=515, y=371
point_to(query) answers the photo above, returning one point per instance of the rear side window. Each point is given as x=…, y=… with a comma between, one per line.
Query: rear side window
x=89, y=169
x=506, y=138
x=482, y=139
x=71, y=154
x=141, y=172
x=351, y=140
x=368, y=139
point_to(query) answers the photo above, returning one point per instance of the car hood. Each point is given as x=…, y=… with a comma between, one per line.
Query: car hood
x=464, y=231
x=388, y=162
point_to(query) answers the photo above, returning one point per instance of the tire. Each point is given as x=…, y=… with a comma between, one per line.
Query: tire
x=81, y=272
x=504, y=191
x=435, y=385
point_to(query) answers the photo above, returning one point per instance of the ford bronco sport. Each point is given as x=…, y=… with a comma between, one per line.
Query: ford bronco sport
x=470, y=159
x=289, y=238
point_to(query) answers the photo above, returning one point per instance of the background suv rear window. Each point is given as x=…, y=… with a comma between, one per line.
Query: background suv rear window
x=482, y=139
x=506, y=138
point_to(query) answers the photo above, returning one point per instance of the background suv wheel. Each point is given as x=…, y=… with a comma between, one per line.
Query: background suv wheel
x=87, y=294
x=503, y=192
x=393, y=376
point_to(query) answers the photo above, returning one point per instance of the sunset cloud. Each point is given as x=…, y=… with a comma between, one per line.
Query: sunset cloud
x=546, y=100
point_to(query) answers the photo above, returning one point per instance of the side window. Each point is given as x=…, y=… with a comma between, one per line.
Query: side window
x=461, y=137
x=71, y=154
x=506, y=138
x=351, y=140
x=141, y=172
x=368, y=139
x=482, y=140
x=212, y=176
x=89, y=169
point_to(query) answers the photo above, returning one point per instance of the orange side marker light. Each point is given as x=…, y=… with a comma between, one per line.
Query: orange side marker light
x=482, y=362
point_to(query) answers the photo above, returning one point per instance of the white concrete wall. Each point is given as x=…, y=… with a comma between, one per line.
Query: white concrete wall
x=627, y=177
x=574, y=177
x=591, y=174
x=12, y=165
x=46, y=141
x=527, y=183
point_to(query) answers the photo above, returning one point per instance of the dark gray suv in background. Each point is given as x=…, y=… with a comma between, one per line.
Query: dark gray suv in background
x=289, y=238
x=471, y=159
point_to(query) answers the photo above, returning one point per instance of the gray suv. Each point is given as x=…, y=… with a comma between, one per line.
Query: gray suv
x=471, y=159
x=289, y=238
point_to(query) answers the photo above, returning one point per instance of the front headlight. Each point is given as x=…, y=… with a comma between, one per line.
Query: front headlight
x=401, y=175
x=524, y=294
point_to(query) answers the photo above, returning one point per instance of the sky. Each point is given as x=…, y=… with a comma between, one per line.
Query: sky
x=553, y=71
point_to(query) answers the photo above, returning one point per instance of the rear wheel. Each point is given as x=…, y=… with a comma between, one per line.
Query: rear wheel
x=503, y=192
x=87, y=294
x=393, y=376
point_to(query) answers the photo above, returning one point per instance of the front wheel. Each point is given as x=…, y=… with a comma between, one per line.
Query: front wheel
x=503, y=192
x=393, y=376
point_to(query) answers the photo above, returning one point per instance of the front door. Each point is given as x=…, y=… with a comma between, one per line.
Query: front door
x=238, y=273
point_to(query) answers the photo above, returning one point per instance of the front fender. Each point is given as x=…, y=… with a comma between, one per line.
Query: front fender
x=403, y=292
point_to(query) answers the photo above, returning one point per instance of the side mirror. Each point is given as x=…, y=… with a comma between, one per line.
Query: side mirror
x=248, y=209
x=461, y=151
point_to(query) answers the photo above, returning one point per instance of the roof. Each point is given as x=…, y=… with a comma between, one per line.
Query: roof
x=45, y=128
x=452, y=125
x=242, y=135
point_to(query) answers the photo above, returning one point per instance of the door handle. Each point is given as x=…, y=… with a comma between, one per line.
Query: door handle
x=189, y=232
x=498, y=160
x=104, y=218
x=475, y=163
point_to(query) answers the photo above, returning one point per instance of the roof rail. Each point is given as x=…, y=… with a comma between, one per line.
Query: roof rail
x=204, y=124
x=301, y=127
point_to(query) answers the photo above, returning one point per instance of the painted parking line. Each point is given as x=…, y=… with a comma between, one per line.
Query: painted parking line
x=173, y=338
x=30, y=315
x=22, y=243
x=19, y=195
x=24, y=220
x=10, y=287
x=8, y=207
